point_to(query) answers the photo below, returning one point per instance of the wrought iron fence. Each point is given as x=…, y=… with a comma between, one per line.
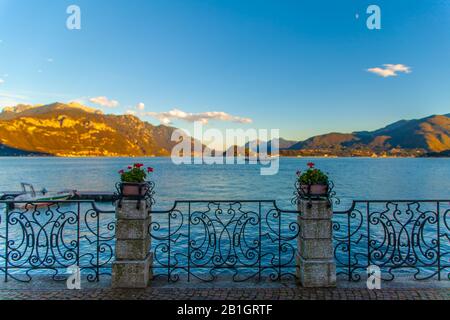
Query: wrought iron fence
x=51, y=236
x=243, y=239
x=399, y=236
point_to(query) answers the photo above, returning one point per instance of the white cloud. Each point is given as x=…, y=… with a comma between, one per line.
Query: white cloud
x=390, y=70
x=130, y=112
x=140, y=106
x=2, y=81
x=398, y=68
x=204, y=117
x=50, y=60
x=104, y=102
x=382, y=72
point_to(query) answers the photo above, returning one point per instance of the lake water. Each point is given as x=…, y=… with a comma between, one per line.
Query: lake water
x=354, y=178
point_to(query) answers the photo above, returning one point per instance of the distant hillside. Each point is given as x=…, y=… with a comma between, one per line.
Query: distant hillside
x=74, y=130
x=430, y=134
x=256, y=146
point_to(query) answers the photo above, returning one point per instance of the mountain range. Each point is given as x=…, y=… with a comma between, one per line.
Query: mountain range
x=405, y=137
x=72, y=129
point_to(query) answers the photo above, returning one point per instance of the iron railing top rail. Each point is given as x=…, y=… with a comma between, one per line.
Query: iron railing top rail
x=53, y=202
x=276, y=207
x=177, y=202
x=355, y=202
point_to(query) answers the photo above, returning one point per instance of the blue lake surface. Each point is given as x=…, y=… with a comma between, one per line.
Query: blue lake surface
x=354, y=178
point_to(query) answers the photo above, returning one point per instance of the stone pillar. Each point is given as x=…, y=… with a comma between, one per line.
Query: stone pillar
x=132, y=267
x=315, y=260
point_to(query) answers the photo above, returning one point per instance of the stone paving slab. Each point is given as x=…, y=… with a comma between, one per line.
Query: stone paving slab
x=44, y=288
x=46, y=283
x=296, y=293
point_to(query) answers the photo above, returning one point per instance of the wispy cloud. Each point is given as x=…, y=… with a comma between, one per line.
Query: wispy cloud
x=204, y=117
x=2, y=81
x=140, y=106
x=104, y=102
x=390, y=70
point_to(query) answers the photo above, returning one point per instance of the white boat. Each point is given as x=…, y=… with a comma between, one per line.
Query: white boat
x=29, y=195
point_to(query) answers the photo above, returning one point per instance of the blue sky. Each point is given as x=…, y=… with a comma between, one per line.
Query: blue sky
x=301, y=66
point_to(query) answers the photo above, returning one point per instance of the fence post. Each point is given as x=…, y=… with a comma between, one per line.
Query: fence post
x=132, y=266
x=315, y=260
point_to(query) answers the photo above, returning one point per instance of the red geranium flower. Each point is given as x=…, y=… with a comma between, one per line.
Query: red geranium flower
x=311, y=165
x=149, y=169
x=130, y=167
x=121, y=172
x=138, y=165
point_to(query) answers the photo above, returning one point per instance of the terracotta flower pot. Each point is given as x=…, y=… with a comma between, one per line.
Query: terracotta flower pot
x=132, y=189
x=316, y=190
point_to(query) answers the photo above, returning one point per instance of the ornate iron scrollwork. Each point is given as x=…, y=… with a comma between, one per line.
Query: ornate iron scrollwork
x=400, y=237
x=53, y=236
x=246, y=239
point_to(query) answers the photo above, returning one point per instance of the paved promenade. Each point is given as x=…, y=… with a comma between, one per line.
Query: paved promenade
x=43, y=288
x=287, y=293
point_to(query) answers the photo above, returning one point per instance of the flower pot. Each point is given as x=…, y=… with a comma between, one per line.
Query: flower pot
x=315, y=190
x=134, y=189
